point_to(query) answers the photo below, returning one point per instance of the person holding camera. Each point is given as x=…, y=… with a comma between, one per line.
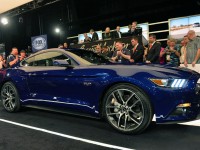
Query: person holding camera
x=173, y=53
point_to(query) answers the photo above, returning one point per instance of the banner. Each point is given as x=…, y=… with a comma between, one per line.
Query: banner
x=179, y=27
x=109, y=43
x=39, y=43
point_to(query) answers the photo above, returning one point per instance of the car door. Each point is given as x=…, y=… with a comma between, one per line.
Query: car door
x=57, y=86
x=47, y=82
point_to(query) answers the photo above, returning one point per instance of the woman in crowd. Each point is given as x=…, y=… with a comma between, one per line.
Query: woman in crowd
x=2, y=62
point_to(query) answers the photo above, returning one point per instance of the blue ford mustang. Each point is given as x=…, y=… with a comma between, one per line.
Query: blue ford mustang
x=127, y=96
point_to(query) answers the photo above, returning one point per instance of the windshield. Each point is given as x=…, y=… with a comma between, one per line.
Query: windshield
x=90, y=56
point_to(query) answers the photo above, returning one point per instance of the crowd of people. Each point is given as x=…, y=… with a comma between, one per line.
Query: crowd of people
x=185, y=54
x=13, y=58
x=134, y=30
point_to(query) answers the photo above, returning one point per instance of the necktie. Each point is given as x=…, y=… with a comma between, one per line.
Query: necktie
x=150, y=45
x=134, y=49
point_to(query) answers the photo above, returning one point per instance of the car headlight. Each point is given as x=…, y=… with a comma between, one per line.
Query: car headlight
x=173, y=83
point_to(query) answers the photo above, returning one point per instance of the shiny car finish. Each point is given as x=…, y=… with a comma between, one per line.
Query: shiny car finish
x=127, y=96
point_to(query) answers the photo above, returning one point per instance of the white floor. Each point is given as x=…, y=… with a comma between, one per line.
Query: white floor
x=190, y=123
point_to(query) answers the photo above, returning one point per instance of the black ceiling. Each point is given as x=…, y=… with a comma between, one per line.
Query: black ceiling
x=78, y=16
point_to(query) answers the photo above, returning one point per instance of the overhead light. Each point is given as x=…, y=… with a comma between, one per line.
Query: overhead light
x=57, y=30
x=4, y=21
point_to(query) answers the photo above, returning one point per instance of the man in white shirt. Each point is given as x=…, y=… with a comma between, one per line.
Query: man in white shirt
x=117, y=33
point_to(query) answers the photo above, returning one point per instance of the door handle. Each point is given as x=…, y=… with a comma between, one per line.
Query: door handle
x=32, y=74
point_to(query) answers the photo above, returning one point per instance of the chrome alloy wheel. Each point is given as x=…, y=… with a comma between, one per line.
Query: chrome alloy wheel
x=124, y=109
x=10, y=97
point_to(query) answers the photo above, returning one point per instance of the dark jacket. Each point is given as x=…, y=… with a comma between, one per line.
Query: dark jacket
x=10, y=58
x=95, y=37
x=107, y=36
x=136, y=32
x=153, y=54
x=137, y=54
x=116, y=35
x=88, y=39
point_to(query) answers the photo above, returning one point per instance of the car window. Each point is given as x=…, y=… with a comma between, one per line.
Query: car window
x=47, y=59
x=90, y=56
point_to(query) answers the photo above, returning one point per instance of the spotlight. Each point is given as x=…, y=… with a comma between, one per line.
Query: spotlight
x=4, y=21
x=57, y=30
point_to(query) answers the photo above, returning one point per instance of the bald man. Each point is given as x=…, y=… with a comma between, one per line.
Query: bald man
x=192, y=53
x=121, y=54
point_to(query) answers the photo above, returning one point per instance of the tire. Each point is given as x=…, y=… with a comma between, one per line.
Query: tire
x=127, y=109
x=10, y=97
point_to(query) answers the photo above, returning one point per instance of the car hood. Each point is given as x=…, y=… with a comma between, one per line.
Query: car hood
x=155, y=70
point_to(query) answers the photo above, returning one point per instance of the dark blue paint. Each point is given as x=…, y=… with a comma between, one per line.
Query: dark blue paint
x=82, y=88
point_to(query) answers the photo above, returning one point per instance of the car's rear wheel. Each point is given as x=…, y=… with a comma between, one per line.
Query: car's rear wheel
x=10, y=97
x=127, y=109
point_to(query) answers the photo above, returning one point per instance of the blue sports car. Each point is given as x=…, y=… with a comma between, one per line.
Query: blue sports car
x=127, y=96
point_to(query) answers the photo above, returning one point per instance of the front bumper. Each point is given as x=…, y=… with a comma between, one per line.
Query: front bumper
x=185, y=111
x=183, y=114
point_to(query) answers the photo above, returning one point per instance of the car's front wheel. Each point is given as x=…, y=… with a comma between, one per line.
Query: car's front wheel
x=127, y=109
x=10, y=97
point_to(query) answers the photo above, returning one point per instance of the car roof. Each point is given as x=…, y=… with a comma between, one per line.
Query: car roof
x=78, y=59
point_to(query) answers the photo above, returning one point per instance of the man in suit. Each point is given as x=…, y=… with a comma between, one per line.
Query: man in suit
x=95, y=36
x=107, y=35
x=117, y=34
x=87, y=38
x=134, y=30
x=137, y=52
x=153, y=50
